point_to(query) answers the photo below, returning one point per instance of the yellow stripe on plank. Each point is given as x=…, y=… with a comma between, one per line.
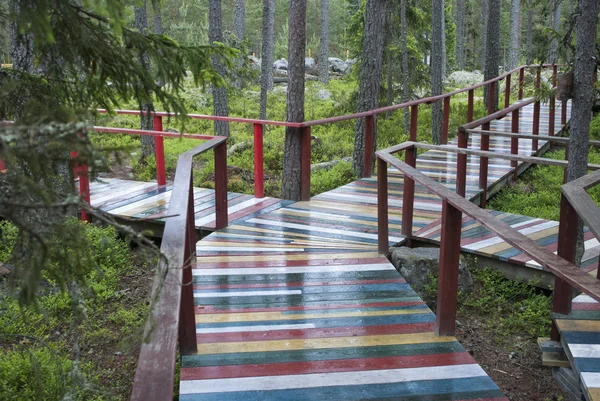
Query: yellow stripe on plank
x=265, y=316
x=303, y=256
x=494, y=249
x=290, y=235
x=593, y=394
x=321, y=343
x=578, y=325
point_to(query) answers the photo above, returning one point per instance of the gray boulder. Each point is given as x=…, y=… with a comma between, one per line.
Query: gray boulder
x=254, y=62
x=281, y=64
x=338, y=65
x=323, y=94
x=309, y=62
x=417, y=264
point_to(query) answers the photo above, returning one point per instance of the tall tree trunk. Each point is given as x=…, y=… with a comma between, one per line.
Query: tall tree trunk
x=460, y=34
x=21, y=53
x=324, y=43
x=491, y=48
x=515, y=30
x=268, y=42
x=238, y=30
x=146, y=120
x=443, y=39
x=390, y=79
x=215, y=34
x=553, y=50
x=405, y=72
x=437, y=16
x=158, y=23
x=295, y=100
x=370, y=75
x=484, y=25
x=530, y=32
x=584, y=66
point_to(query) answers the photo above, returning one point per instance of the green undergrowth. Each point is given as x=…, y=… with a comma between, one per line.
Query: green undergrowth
x=49, y=352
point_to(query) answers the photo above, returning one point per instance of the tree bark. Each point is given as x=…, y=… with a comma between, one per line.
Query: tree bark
x=238, y=30
x=324, y=43
x=492, y=45
x=370, y=75
x=443, y=39
x=158, y=23
x=484, y=26
x=515, y=25
x=215, y=34
x=268, y=42
x=146, y=120
x=436, y=69
x=295, y=100
x=390, y=80
x=584, y=66
x=405, y=72
x=530, y=33
x=460, y=34
x=553, y=50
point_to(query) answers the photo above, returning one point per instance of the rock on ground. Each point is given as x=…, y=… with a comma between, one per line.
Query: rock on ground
x=281, y=64
x=464, y=78
x=417, y=264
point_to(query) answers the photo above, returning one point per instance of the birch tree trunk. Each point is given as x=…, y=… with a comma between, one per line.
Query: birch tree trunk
x=553, y=50
x=370, y=75
x=437, y=16
x=324, y=43
x=295, y=100
x=405, y=72
x=515, y=25
x=268, y=42
x=530, y=33
x=215, y=34
x=146, y=120
x=492, y=55
x=460, y=34
x=484, y=26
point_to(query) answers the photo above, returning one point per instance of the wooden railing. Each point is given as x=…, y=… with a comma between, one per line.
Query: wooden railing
x=172, y=318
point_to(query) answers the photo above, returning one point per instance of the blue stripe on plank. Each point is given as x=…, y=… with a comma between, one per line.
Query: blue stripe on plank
x=376, y=308
x=588, y=364
x=581, y=337
x=319, y=289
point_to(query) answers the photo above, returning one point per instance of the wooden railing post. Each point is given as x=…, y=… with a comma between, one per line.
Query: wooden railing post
x=483, y=165
x=369, y=145
x=521, y=82
x=222, y=218
x=552, y=111
x=414, y=120
x=187, y=314
x=461, y=164
x=470, y=106
x=81, y=172
x=514, y=143
x=563, y=113
x=448, y=270
x=491, y=106
x=536, y=114
x=567, y=239
x=445, y=120
x=159, y=151
x=408, y=196
x=507, y=92
x=382, y=208
x=305, y=164
x=259, y=178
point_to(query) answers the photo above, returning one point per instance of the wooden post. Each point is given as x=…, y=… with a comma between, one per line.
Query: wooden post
x=552, y=111
x=483, y=166
x=221, y=211
x=369, y=145
x=159, y=151
x=448, y=270
x=536, y=115
x=563, y=113
x=445, y=120
x=514, y=143
x=507, y=92
x=259, y=178
x=414, y=120
x=521, y=82
x=491, y=106
x=305, y=164
x=470, y=106
x=461, y=165
x=408, y=195
x=187, y=314
x=382, y=208
x=81, y=172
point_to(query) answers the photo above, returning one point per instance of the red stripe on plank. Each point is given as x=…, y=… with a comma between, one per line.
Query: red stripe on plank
x=340, y=365
x=292, y=263
x=586, y=306
x=329, y=332
x=297, y=284
x=209, y=310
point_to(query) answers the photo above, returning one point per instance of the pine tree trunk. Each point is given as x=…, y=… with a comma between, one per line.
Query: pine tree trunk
x=530, y=33
x=584, y=66
x=158, y=23
x=553, y=50
x=460, y=34
x=370, y=75
x=238, y=30
x=268, y=42
x=437, y=16
x=146, y=120
x=405, y=72
x=390, y=80
x=324, y=43
x=295, y=100
x=492, y=61
x=515, y=25
x=484, y=25
x=215, y=34
x=443, y=39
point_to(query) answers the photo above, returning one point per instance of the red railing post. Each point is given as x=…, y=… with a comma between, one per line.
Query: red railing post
x=414, y=119
x=448, y=270
x=445, y=120
x=187, y=314
x=259, y=178
x=514, y=143
x=521, y=82
x=470, y=106
x=552, y=111
x=2, y=167
x=536, y=114
x=567, y=239
x=222, y=218
x=507, y=92
x=382, y=208
x=305, y=165
x=159, y=151
x=563, y=113
x=408, y=195
x=483, y=165
x=81, y=172
x=461, y=164
x=491, y=106
x=369, y=145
